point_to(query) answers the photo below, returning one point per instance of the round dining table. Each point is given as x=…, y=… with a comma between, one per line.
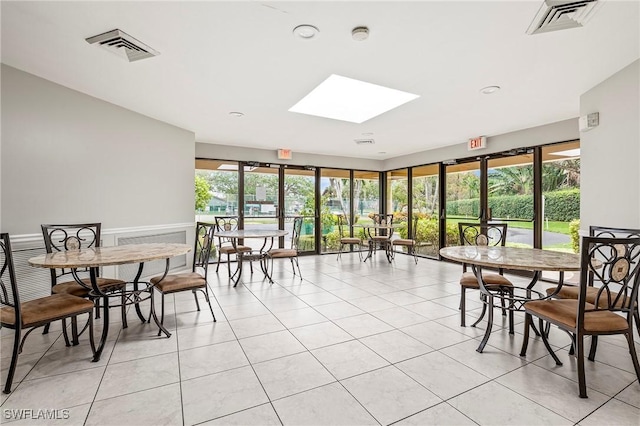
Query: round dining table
x=514, y=258
x=267, y=235
x=92, y=259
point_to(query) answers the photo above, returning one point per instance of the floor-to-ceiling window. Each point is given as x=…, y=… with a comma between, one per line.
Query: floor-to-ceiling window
x=425, y=184
x=335, y=199
x=561, y=196
x=510, y=195
x=462, y=198
x=216, y=184
x=299, y=200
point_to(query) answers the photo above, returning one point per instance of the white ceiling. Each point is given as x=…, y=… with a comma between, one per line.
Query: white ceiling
x=218, y=57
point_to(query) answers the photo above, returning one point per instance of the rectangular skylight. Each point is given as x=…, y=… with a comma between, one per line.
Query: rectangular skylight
x=346, y=99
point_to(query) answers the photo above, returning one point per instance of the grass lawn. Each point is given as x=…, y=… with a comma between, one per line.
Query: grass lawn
x=550, y=226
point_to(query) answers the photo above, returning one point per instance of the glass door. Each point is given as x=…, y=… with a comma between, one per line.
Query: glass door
x=561, y=197
x=425, y=204
x=335, y=199
x=300, y=200
x=260, y=209
x=462, y=198
x=510, y=195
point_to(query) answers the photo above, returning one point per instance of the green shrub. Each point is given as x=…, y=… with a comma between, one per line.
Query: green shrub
x=574, y=230
x=561, y=206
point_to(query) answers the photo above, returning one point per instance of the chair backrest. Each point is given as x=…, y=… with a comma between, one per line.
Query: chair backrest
x=295, y=236
x=202, y=246
x=343, y=226
x=382, y=219
x=611, y=232
x=8, y=285
x=607, y=231
x=226, y=223
x=615, y=268
x=482, y=234
x=69, y=237
x=414, y=228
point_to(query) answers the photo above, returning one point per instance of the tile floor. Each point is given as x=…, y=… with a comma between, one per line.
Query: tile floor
x=353, y=343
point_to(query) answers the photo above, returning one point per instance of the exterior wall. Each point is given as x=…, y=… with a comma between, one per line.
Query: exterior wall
x=610, y=153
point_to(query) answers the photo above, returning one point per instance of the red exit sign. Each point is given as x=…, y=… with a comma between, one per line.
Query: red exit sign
x=284, y=154
x=477, y=143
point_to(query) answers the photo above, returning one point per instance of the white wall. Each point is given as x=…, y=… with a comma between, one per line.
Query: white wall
x=68, y=157
x=610, y=153
x=555, y=132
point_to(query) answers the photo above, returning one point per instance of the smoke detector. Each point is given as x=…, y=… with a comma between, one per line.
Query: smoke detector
x=123, y=45
x=364, y=141
x=360, y=33
x=557, y=15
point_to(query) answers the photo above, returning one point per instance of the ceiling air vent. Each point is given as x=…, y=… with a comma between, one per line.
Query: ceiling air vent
x=557, y=15
x=364, y=141
x=122, y=44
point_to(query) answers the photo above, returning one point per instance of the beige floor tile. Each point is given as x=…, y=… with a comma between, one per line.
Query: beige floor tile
x=389, y=395
x=441, y=414
x=270, y=346
x=262, y=415
x=326, y=405
x=396, y=346
x=349, y=359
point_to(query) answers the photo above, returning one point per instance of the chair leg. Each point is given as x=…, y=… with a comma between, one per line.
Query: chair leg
x=582, y=381
x=462, y=306
x=292, y=266
x=65, y=334
x=45, y=330
x=74, y=331
x=229, y=264
x=525, y=339
x=97, y=308
x=548, y=346
x=123, y=308
x=195, y=296
x=14, y=359
x=594, y=346
x=632, y=351
x=339, y=252
x=206, y=297
x=218, y=265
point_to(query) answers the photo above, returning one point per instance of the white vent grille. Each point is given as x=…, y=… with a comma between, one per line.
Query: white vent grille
x=364, y=141
x=557, y=15
x=123, y=45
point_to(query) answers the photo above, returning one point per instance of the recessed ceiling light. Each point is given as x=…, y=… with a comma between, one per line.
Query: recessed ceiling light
x=306, y=31
x=367, y=134
x=489, y=90
x=346, y=99
x=236, y=114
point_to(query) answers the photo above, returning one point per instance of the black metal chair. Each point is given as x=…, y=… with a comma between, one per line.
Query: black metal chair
x=410, y=244
x=225, y=245
x=479, y=234
x=193, y=281
x=290, y=253
x=19, y=316
x=613, y=264
x=571, y=291
x=345, y=239
x=59, y=238
x=381, y=238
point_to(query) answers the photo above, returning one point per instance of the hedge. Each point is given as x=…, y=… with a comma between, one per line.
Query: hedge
x=562, y=206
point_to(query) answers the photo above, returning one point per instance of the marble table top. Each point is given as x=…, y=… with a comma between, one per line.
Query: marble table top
x=106, y=256
x=518, y=258
x=252, y=233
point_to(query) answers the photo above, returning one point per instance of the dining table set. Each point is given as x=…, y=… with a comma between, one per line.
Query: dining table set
x=133, y=293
